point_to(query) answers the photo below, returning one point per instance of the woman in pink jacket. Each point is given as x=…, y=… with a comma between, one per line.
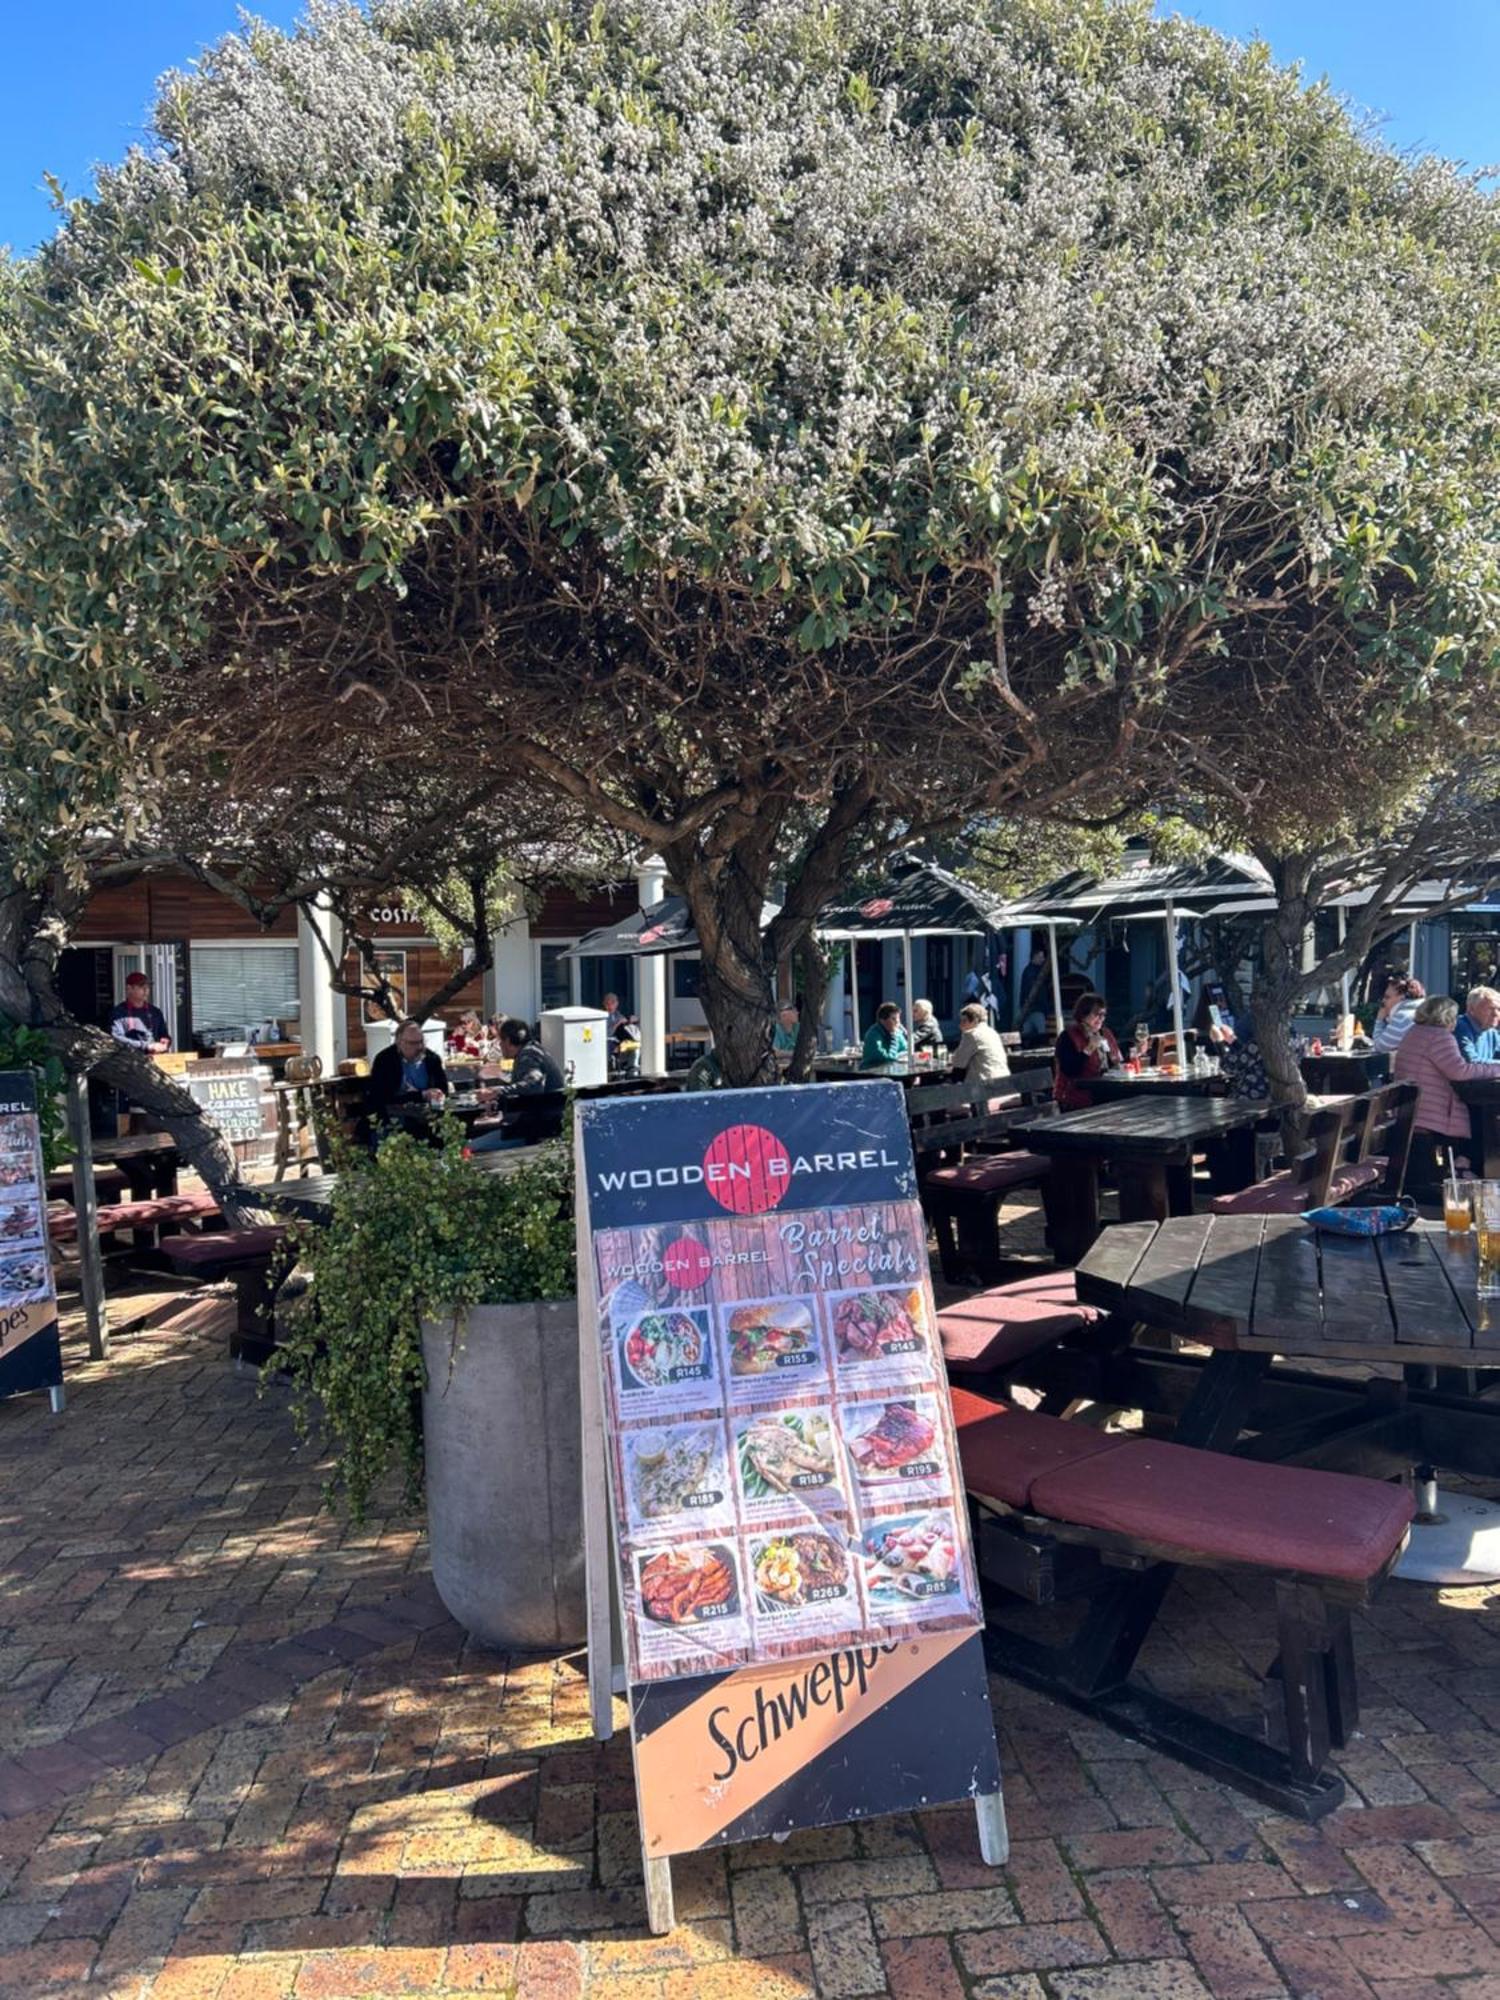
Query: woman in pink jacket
x=1429, y=1057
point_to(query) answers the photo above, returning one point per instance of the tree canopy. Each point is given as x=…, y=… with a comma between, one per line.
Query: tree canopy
x=752, y=423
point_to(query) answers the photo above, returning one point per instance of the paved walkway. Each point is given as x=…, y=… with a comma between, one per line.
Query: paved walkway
x=244, y=1755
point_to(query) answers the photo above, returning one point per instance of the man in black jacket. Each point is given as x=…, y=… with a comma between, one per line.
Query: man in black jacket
x=533, y=1099
x=404, y=1079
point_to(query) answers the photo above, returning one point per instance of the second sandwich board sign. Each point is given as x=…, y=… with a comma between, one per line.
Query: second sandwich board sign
x=771, y=1473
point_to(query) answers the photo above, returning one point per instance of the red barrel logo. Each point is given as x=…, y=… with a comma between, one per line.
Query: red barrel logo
x=686, y=1264
x=747, y=1170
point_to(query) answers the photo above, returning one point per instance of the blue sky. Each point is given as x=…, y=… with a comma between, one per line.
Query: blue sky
x=78, y=75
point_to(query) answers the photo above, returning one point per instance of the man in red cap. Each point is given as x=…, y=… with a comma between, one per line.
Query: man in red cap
x=136, y=1022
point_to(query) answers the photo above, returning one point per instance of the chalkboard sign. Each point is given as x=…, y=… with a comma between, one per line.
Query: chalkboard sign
x=229, y=1095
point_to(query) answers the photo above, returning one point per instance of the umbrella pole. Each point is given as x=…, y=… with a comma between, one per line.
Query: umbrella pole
x=1344, y=975
x=854, y=987
x=906, y=974
x=1174, y=976
x=1056, y=978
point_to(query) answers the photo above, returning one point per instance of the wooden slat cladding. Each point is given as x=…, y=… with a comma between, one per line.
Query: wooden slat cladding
x=427, y=966
x=565, y=913
x=157, y=909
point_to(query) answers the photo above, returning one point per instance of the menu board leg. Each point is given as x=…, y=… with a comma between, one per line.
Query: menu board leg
x=598, y=1553
x=994, y=1835
x=86, y=1208
x=660, y=1914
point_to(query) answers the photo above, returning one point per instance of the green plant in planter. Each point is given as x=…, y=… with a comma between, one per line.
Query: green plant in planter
x=27, y=1048
x=416, y=1233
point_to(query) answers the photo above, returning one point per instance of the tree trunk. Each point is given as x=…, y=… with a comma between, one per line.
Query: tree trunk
x=813, y=960
x=34, y=929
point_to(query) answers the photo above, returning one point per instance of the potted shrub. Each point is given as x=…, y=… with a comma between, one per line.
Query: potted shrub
x=439, y=1334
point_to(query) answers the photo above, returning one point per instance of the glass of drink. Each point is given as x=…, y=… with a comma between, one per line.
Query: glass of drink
x=1458, y=1206
x=1487, y=1236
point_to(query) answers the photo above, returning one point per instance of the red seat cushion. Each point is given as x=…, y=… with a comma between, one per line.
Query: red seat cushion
x=229, y=1246
x=1223, y=1509
x=991, y=1175
x=1277, y=1194
x=1280, y=1194
x=1004, y=1451
x=1009, y=1321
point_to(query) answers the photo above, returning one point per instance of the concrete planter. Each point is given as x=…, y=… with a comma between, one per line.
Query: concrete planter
x=505, y=1473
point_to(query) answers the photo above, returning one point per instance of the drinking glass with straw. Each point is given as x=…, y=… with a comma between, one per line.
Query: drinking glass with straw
x=1458, y=1211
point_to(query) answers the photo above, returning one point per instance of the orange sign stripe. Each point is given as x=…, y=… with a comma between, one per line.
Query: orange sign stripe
x=757, y=1728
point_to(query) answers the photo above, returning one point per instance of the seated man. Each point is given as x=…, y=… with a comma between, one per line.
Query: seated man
x=531, y=1101
x=1475, y=1031
x=405, y=1080
x=980, y=1054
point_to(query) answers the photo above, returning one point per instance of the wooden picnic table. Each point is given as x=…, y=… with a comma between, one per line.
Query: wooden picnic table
x=148, y=1160
x=1120, y=1087
x=1338, y=1073
x=1258, y=1290
x=1150, y=1146
x=312, y=1198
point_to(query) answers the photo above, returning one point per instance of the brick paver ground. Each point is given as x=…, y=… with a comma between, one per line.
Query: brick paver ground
x=246, y=1756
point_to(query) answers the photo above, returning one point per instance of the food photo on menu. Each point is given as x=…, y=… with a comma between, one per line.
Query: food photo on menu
x=663, y=1359
x=690, y=1608
x=881, y=1332
x=772, y=1344
x=20, y=1223
x=914, y=1566
x=805, y=1586
x=787, y=1457
x=897, y=1442
x=25, y=1279
x=678, y=1472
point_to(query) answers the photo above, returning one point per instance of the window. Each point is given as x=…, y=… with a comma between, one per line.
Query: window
x=391, y=967
x=555, y=984
x=236, y=987
x=940, y=977
x=687, y=976
x=598, y=976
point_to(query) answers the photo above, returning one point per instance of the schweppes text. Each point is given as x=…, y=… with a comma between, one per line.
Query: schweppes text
x=834, y=1682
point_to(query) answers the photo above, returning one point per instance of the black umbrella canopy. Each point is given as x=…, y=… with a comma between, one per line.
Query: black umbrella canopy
x=1144, y=885
x=919, y=897
x=665, y=927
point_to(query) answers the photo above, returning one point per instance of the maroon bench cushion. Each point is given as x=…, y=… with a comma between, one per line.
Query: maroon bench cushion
x=1281, y=1194
x=1224, y=1509
x=1009, y=1321
x=1004, y=1451
x=62, y=1220
x=991, y=1175
x=228, y=1246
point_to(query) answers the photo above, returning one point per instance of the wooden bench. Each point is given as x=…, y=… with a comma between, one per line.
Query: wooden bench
x=1062, y=1509
x=249, y=1257
x=966, y=1164
x=146, y=1222
x=1357, y=1147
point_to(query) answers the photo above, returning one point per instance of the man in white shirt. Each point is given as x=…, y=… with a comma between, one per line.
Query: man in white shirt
x=980, y=1054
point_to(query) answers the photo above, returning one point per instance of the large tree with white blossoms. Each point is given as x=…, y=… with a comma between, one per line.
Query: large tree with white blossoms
x=759, y=424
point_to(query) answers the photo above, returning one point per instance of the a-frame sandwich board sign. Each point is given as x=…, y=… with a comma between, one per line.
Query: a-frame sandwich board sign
x=779, y=1572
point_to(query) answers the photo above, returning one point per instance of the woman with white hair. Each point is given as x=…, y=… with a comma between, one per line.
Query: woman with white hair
x=925, y=1032
x=1430, y=1057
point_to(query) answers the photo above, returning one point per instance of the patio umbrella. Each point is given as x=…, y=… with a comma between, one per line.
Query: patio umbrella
x=1143, y=887
x=665, y=927
x=920, y=900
